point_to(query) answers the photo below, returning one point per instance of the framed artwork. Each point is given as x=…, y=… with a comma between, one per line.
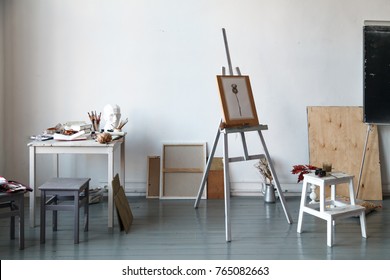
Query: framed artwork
x=237, y=101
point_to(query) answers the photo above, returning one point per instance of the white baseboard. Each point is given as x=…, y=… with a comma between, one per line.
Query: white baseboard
x=237, y=189
x=255, y=189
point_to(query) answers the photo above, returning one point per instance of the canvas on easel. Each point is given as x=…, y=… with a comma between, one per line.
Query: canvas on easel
x=125, y=216
x=237, y=101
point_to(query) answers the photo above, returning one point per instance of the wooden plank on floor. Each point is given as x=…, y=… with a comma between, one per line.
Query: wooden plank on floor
x=122, y=205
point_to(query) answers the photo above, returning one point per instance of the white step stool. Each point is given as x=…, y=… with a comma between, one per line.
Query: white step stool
x=330, y=210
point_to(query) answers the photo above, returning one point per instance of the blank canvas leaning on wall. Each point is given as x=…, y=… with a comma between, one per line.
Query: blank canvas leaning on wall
x=182, y=170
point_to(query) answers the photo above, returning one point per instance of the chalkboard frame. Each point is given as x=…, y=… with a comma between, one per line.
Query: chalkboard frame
x=376, y=93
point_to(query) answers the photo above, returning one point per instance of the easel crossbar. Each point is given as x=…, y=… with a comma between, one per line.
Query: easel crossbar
x=252, y=157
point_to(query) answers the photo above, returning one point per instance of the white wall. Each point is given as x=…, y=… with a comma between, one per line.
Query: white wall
x=158, y=61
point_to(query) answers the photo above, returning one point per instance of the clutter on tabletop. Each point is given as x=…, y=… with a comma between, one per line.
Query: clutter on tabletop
x=71, y=135
x=78, y=126
x=121, y=124
x=104, y=138
x=47, y=134
x=51, y=130
x=112, y=116
x=81, y=130
x=95, y=120
x=41, y=137
x=10, y=186
x=72, y=131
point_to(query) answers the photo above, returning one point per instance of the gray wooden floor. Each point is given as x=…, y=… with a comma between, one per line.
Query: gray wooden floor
x=173, y=229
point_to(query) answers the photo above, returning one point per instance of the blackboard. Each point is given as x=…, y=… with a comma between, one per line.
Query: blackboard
x=376, y=103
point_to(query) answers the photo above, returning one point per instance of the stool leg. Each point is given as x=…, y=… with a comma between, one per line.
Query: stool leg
x=363, y=224
x=76, y=216
x=43, y=216
x=333, y=192
x=55, y=215
x=329, y=229
x=351, y=192
x=303, y=203
x=86, y=208
x=12, y=228
x=21, y=223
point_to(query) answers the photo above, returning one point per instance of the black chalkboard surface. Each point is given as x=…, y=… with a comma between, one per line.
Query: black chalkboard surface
x=376, y=103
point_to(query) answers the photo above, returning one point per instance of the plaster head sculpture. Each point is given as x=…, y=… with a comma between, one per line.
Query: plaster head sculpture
x=112, y=116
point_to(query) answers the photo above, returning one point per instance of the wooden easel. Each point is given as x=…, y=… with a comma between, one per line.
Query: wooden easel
x=369, y=129
x=241, y=130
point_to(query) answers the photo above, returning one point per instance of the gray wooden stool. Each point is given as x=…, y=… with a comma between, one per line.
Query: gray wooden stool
x=61, y=190
x=7, y=200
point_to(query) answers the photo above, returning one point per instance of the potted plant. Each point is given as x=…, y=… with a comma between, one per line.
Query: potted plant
x=268, y=188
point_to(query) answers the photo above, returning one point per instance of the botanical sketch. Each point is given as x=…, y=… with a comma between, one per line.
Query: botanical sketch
x=237, y=100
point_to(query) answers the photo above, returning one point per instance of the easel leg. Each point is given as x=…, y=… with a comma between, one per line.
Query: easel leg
x=369, y=127
x=226, y=186
x=277, y=185
x=206, y=172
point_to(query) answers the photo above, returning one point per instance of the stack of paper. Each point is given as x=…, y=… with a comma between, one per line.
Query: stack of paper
x=76, y=136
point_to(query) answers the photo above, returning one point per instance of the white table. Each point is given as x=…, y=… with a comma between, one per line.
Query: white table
x=332, y=209
x=88, y=146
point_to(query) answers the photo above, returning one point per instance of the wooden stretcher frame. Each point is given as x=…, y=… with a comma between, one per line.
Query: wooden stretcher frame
x=182, y=169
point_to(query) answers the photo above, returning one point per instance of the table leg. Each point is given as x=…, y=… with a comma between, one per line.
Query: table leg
x=32, y=183
x=57, y=165
x=110, y=177
x=122, y=159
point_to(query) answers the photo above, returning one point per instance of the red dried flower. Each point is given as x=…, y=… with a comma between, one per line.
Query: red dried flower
x=301, y=169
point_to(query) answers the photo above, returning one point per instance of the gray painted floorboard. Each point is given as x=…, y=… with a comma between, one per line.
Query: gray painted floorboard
x=173, y=229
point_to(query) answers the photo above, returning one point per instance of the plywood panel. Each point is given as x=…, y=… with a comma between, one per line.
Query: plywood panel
x=182, y=170
x=125, y=215
x=337, y=135
x=153, y=183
